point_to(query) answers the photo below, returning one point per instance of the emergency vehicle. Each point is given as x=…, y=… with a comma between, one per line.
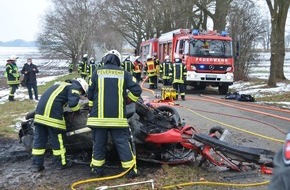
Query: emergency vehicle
x=208, y=56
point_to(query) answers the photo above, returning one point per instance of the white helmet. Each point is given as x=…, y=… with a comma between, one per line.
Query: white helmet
x=114, y=52
x=85, y=56
x=148, y=57
x=167, y=57
x=83, y=84
x=13, y=57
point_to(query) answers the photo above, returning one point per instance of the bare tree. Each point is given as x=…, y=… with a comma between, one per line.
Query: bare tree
x=245, y=25
x=138, y=20
x=69, y=29
x=219, y=14
x=278, y=11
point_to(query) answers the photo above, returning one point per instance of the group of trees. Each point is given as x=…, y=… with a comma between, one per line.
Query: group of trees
x=73, y=27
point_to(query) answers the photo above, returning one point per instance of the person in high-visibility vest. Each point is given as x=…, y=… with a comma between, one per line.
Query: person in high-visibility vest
x=127, y=65
x=166, y=71
x=150, y=68
x=138, y=66
x=84, y=67
x=179, y=72
x=92, y=67
x=50, y=124
x=109, y=89
x=12, y=75
x=70, y=68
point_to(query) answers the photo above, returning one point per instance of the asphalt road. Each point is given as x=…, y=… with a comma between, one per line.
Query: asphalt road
x=251, y=123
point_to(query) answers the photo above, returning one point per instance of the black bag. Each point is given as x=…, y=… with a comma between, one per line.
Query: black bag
x=23, y=83
x=245, y=98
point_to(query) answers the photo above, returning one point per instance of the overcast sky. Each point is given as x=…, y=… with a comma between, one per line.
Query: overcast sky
x=19, y=19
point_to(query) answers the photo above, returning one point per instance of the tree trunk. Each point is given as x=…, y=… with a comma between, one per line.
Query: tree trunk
x=220, y=15
x=278, y=20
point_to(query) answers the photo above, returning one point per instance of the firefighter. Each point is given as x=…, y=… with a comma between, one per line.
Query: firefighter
x=138, y=67
x=166, y=71
x=84, y=67
x=93, y=66
x=49, y=121
x=12, y=75
x=127, y=65
x=107, y=100
x=150, y=68
x=178, y=74
x=70, y=68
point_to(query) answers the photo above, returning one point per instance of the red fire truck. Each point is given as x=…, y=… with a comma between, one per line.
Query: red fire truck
x=208, y=56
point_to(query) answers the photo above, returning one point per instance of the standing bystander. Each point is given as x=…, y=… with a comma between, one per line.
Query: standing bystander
x=29, y=70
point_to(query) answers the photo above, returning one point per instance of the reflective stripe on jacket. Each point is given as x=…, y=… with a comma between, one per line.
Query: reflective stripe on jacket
x=12, y=74
x=107, y=93
x=49, y=110
x=166, y=70
x=179, y=72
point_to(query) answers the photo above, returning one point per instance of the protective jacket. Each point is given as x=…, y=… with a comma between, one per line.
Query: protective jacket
x=49, y=110
x=151, y=68
x=12, y=74
x=138, y=67
x=166, y=69
x=84, y=68
x=106, y=94
x=128, y=66
x=92, y=69
x=179, y=72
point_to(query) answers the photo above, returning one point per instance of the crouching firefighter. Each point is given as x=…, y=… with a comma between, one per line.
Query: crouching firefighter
x=107, y=96
x=50, y=123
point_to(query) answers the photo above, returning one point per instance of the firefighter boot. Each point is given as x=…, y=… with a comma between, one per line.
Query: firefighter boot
x=97, y=171
x=132, y=173
x=37, y=168
x=37, y=163
x=60, y=166
x=11, y=98
x=183, y=97
x=176, y=97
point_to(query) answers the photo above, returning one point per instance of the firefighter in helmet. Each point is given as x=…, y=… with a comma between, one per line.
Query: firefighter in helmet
x=166, y=71
x=109, y=88
x=49, y=121
x=138, y=67
x=179, y=72
x=12, y=75
x=92, y=66
x=127, y=65
x=84, y=67
x=150, y=68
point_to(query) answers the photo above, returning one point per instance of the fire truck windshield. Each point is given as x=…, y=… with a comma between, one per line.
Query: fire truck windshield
x=210, y=48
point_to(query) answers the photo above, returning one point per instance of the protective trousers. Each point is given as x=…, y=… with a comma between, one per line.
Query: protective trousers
x=180, y=89
x=13, y=88
x=41, y=135
x=153, y=82
x=121, y=139
x=137, y=76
